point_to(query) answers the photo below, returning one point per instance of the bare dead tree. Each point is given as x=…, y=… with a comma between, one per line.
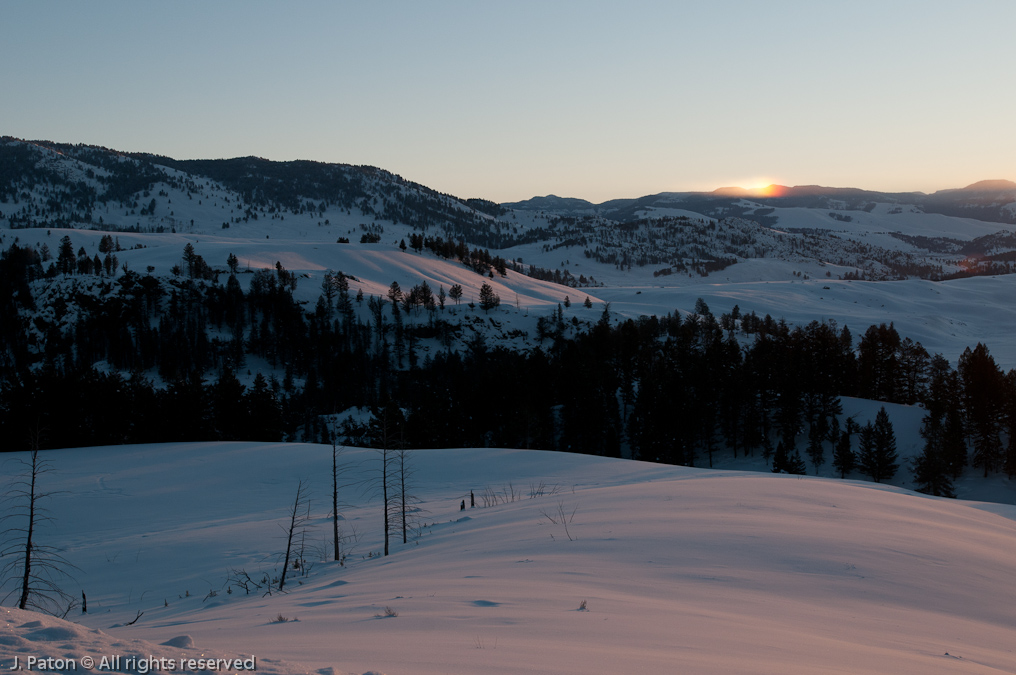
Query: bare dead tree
x=402, y=479
x=340, y=469
x=33, y=569
x=335, y=494
x=384, y=431
x=298, y=519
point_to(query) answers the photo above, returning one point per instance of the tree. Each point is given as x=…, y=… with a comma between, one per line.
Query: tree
x=455, y=293
x=795, y=465
x=264, y=411
x=931, y=471
x=878, y=457
x=701, y=308
x=788, y=462
x=488, y=298
x=843, y=455
x=815, y=451
x=588, y=304
x=385, y=431
x=344, y=304
x=404, y=498
x=297, y=521
x=65, y=257
x=233, y=263
x=780, y=458
x=337, y=469
x=395, y=293
x=189, y=259
x=878, y=363
x=983, y=397
x=33, y=569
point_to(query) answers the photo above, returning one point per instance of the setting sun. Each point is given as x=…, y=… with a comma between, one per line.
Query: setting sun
x=771, y=190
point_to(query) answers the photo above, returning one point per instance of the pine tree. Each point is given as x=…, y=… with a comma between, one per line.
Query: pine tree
x=780, y=459
x=931, y=472
x=795, y=465
x=395, y=293
x=843, y=455
x=983, y=394
x=878, y=457
x=455, y=293
x=488, y=298
x=65, y=257
x=815, y=451
x=954, y=442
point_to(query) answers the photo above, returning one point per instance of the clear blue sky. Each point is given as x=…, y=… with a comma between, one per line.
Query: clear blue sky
x=507, y=100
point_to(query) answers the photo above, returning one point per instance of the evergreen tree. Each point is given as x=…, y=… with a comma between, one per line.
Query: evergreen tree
x=780, y=459
x=231, y=417
x=395, y=293
x=878, y=457
x=455, y=293
x=815, y=451
x=265, y=412
x=1010, y=423
x=65, y=262
x=931, y=472
x=843, y=455
x=795, y=465
x=983, y=396
x=488, y=298
x=954, y=442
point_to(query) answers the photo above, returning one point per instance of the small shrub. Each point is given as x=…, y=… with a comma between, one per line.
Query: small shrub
x=388, y=612
x=582, y=606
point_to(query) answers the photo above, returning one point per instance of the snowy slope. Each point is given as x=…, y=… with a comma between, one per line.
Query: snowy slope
x=681, y=570
x=946, y=317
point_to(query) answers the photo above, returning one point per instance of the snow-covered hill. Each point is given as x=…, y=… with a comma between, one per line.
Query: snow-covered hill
x=599, y=565
x=817, y=231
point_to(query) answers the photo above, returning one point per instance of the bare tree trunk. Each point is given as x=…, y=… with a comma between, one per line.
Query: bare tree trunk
x=384, y=490
x=25, y=585
x=335, y=497
x=402, y=491
x=294, y=519
x=30, y=567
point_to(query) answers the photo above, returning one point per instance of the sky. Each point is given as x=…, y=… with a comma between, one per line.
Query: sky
x=506, y=101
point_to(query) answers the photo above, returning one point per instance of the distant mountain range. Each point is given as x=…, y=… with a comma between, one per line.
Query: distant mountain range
x=864, y=234
x=89, y=175
x=987, y=200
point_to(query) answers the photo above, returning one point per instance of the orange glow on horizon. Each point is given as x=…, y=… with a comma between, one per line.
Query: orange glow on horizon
x=772, y=190
x=758, y=186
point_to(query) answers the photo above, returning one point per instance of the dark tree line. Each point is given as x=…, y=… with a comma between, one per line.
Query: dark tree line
x=679, y=389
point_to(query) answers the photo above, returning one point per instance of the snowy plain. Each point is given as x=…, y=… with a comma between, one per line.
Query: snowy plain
x=678, y=569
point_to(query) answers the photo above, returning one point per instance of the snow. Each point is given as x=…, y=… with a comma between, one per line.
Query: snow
x=659, y=570
x=886, y=218
x=681, y=569
x=946, y=317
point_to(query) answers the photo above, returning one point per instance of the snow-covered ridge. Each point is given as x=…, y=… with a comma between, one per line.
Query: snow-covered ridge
x=660, y=569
